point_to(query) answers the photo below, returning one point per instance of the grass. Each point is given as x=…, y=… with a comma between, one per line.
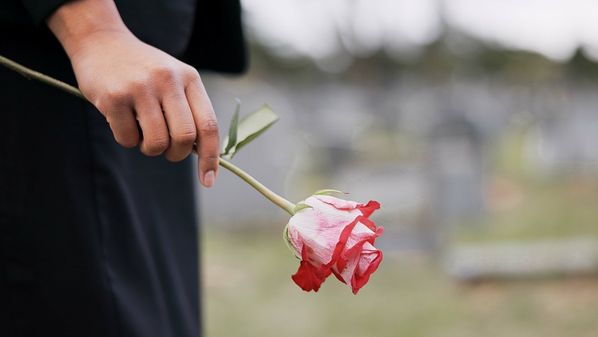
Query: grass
x=248, y=292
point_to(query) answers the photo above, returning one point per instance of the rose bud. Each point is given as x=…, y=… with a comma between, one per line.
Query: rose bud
x=332, y=235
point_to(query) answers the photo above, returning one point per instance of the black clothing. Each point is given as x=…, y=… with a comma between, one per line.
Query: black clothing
x=95, y=239
x=211, y=29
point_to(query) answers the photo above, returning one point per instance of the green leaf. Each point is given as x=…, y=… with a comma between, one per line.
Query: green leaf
x=233, y=130
x=329, y=191
x=300, y=206
x=251, y=126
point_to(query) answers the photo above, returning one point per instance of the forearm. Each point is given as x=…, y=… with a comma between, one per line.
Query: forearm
x=74, y=22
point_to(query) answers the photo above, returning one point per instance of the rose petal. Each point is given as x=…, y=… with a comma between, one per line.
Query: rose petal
x=361, y=233
x=368, y=263
x=358, y=270
x=370, y=224
x=308, y=276
x=369, y=208
x=339, y=204
x=341, y=245
x=345, y=264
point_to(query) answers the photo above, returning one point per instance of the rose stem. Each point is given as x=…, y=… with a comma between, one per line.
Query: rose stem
x=266, y=192
x=30, y=73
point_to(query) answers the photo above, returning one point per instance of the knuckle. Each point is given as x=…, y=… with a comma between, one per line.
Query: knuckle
x=163, y=73
x=209, y=128
x=210, y=158
x=116, y=95
x=111, y=99
x=191, y=74
x=137, y=87
x=156, y=146
x=103, y=107
x=185, y=137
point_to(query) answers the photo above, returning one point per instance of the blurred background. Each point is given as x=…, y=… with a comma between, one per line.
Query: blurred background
x=473, y=122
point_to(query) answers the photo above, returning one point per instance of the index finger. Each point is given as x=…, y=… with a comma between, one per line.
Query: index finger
x=206, y=123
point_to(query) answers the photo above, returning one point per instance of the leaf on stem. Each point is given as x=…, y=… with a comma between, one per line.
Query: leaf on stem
x=249, y=128
x=233, y=130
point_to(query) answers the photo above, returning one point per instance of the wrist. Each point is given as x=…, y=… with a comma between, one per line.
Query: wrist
x=78, y=23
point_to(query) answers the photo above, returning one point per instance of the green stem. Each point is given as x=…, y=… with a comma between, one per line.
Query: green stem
x=266, y=192
x=30, y=73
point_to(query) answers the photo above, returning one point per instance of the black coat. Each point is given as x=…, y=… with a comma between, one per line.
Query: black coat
x=97, y=240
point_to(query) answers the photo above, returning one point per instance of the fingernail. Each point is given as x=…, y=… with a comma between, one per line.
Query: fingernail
x=208, y=179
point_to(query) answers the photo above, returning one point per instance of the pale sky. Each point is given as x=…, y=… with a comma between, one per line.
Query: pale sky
x=312, y=28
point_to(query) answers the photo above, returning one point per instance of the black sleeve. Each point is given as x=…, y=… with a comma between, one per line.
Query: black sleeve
x=41, y=9
x=217, y=42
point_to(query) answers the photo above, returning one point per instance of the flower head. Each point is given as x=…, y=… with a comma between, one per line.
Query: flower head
x=334, y=236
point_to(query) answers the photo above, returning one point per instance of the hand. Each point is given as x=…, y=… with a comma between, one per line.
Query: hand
x=132, y=83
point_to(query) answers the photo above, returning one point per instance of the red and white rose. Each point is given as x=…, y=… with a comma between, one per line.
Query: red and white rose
x=334, y=236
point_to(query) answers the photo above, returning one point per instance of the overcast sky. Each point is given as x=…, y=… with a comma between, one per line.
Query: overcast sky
x=554, y=28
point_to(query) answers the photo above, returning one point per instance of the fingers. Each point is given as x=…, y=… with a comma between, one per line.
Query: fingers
x=174, y=112
x=207, y=131
x=181, y=126
x=153, y=126
x=120, y=117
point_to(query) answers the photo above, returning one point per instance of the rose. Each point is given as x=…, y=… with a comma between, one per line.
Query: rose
x=332, y=235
